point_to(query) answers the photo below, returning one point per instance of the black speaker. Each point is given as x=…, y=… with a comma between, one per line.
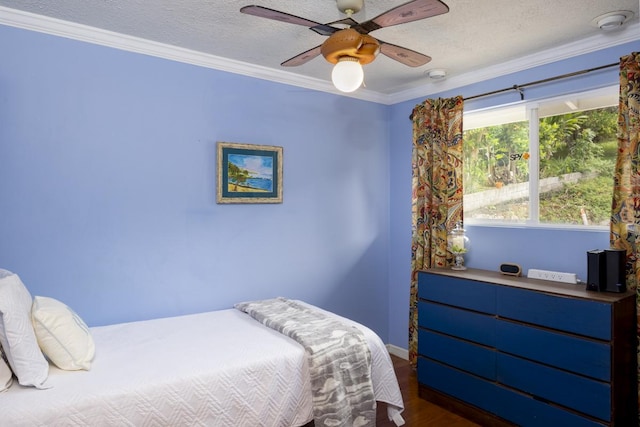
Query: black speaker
x=596, y=270
x=616, y=271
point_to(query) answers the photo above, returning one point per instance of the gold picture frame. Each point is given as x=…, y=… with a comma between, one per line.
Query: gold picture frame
x=248, y=173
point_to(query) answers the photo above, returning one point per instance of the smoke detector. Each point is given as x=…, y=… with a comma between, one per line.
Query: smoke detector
x=436, y=74
x=613, y=20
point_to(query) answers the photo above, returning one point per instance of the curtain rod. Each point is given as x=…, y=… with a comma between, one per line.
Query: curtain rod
x=537, y=82
x=520, y=88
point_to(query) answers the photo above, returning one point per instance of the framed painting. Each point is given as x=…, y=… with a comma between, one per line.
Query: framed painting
x=249, y=173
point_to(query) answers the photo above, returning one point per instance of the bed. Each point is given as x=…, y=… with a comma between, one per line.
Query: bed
x=220, y=368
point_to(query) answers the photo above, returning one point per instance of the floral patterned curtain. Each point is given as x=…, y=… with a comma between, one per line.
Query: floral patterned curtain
x=625, y=213
x=436, y=201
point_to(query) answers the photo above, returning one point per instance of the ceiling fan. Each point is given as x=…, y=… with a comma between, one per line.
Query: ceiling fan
x=349, y=45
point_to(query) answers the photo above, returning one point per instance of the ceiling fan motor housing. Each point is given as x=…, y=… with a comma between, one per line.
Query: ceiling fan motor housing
x=350, y=43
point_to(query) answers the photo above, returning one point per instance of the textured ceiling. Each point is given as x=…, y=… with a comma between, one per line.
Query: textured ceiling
x=474, y=34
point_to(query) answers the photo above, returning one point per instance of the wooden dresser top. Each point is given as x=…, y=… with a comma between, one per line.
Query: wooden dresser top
x=568, y=289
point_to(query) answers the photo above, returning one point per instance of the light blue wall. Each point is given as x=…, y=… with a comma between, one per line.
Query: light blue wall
x=107, y=186
x=558, y=250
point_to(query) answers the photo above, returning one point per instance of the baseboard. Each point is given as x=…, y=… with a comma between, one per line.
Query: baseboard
x=398, y=351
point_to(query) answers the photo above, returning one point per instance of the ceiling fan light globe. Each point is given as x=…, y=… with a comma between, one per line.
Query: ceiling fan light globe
x=347, y=74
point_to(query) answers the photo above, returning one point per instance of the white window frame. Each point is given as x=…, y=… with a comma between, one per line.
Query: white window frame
x=532, y=114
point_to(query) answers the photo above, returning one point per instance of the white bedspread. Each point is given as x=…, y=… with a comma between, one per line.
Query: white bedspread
x=219, y=368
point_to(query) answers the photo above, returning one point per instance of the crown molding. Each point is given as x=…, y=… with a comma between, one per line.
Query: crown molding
x=80, y=32
x=590, y=44
x=71, y=30
x=85, y=33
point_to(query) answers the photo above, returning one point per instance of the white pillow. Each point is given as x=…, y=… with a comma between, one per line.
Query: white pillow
x=6, y=376
x=63, y=336
x=16, y=333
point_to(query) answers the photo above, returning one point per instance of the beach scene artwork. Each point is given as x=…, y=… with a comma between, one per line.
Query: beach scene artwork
x=249, y=173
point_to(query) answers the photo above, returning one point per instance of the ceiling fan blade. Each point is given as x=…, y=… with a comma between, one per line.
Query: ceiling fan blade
x=265, y=12
x=349, y=22
x=324, y=29
x=302, y=58
x=328, y=29
x=403, y=55
x=407, y=12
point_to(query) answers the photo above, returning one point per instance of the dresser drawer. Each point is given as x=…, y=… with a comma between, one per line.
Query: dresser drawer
x=585, y=317
x=573, y=391
x=468, y=325
x=508, y=404
x=460, y=354
x=468, y=294
x=467, y=387
x=570, y=352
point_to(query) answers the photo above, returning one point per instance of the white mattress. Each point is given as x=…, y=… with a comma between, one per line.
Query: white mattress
x=218, y=368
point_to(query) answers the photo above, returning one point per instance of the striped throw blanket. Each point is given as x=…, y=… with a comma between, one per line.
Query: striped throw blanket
x=339, y=360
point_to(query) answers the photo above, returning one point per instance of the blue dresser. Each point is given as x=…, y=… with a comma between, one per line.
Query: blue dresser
x=504, y=350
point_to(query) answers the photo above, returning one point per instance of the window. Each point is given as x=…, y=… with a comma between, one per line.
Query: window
x=550, y=162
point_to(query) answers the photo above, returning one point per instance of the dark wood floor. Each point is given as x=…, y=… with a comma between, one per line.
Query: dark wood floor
x=417, y=412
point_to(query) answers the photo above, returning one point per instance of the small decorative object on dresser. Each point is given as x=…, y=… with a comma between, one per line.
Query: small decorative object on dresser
x=458, y=244
x=504, y=350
